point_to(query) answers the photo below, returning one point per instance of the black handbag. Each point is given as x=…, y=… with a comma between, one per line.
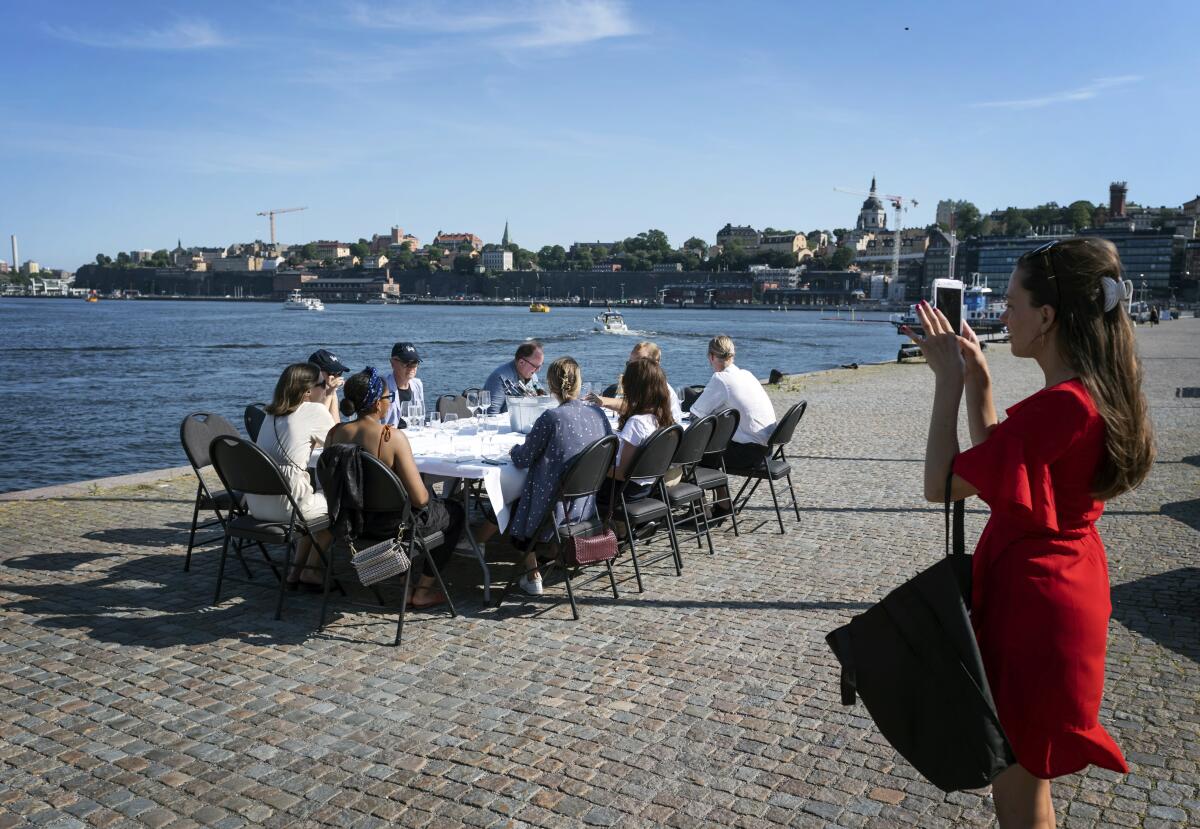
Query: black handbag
x=913, y=660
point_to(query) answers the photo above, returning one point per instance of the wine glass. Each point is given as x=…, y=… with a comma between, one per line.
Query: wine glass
x=485, y=401
x=450, y=418
x=405, y=412
x=435, y=420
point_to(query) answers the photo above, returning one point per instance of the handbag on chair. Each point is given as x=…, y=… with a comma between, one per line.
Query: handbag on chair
x=913, y=660
x=582, y=550
x=380, y=561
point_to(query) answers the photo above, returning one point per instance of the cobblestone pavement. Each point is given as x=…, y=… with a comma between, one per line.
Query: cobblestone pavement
x=709, y=700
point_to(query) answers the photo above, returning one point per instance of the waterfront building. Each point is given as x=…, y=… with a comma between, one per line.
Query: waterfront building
x=236, y=263
x=1152, y=259
x=374, y=261
x=994, y=257
x=451, y=241
x=746, y=235
x=820, y=288
x=139, y=256
x=30, y=267
x=607, y=266
x=332, y=250
x=1189, y=283
x=792, y=243
x=1192, y=208
x=497, y=259
x=939, y=258
x=667, y=267
x=3, y=266
x=394, y=241
x=945, y=212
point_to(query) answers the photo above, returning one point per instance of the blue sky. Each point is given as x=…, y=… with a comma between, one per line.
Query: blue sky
x=128, y=125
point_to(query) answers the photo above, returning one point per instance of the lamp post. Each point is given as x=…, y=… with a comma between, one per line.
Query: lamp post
x=622, y=293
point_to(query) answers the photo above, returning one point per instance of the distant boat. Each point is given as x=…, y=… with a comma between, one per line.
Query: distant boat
x=92, y=297
x=298, y=302
x=539, y=308
x=611, y=322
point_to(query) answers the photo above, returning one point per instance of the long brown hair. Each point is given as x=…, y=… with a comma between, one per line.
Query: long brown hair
x=1100, y=346
x=646, y=392
x=295, y=382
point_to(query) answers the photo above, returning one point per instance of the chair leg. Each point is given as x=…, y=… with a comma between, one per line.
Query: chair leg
x=325, y=583
x=612, y=579
x=792, y=489
x=637, y=570
x=703, y=519
x=778, y=511
x=221, y=571
x=570, y=593
x=437, y=574
x=287, y=566
x=267, y=558
x=187, y=561
x=404, y=600
x=673, y=537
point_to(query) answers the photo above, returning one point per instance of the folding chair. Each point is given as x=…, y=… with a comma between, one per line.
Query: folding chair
x=454, y=404
x=253, y=416
x=651, y=462
x=584, y=477
x=773, y=466
x=196, y=432
x=710, y=474
x=245, y=468
x=686, y=493
x=384, y=492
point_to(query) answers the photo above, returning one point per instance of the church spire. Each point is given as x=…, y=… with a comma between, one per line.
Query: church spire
x=872, y=185
x=504, y=241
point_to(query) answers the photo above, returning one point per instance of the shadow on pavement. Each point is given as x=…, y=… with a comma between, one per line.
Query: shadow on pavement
x=1185, y=512
x=1164, y=607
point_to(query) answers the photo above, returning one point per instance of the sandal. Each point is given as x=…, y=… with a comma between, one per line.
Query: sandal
x=439, y=599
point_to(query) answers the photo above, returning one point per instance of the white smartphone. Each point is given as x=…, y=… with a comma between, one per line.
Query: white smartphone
x=948, y=298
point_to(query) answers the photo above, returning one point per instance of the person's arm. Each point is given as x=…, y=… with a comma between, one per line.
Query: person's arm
x=711, y=399
x=495, y=387
x=405, y=467
x=534, y=446
x=981, y=411
x=628, y=450
x=941, y=349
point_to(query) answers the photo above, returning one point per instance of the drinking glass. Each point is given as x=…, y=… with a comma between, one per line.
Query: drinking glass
x=405, y=411
x=435, y=420
x=472, y=398
x=485, y=400
x=450, y=419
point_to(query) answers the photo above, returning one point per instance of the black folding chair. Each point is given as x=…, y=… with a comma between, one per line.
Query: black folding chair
x=453, y=404
x=710, y=474
x=384, y=492
x=686, y=493
x=609, y=391
x=773, y=466
x=196, y=432
x=584, y=477
x=690, y=395
x=651, y=462
x=245, y=468
x=253, y=416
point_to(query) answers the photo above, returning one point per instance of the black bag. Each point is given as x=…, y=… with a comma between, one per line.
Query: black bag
x=914, y=661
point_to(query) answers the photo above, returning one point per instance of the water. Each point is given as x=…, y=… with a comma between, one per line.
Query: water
x=97, y=389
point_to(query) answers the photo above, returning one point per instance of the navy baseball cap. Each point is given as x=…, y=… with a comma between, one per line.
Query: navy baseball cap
x=406, y=353
x=327, y=361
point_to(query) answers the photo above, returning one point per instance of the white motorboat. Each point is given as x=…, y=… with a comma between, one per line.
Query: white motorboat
x=611, y=322
x=298, y=302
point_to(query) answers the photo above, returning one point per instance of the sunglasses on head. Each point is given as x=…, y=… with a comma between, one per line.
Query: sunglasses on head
x=1046, y=252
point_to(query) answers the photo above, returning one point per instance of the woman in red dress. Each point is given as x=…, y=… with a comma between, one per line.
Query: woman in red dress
x=1040, y=595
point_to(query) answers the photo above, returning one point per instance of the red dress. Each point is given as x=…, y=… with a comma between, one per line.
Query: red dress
x=1040, y=597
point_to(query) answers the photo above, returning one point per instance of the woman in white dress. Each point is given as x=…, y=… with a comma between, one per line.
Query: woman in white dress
x=293, y=426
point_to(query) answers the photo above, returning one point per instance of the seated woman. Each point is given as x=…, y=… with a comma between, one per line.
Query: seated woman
x=556, y=438
x=366, y=397
x=293, y=426
x=646, y=409
x=641, y=351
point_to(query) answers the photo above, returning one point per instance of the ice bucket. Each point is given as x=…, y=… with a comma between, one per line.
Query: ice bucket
x=523, y=411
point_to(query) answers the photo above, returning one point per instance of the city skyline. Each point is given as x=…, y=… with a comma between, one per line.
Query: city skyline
x=155, y=122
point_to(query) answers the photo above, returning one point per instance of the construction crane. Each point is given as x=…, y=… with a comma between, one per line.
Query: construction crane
x=270, y=214
x=900, y=203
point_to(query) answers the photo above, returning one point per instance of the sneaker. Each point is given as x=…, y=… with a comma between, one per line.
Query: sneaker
x=531, y=586
x=645, y=531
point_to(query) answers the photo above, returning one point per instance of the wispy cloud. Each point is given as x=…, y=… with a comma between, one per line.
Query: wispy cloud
x=526, y=25
x=1083, y=93
x=181, y=35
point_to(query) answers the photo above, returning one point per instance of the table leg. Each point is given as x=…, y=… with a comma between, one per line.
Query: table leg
x=483, y=565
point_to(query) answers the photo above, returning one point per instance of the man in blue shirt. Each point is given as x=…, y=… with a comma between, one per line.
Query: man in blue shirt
x=521, y=372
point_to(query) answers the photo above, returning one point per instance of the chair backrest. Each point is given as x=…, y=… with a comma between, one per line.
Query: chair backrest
x=383, y=491
x=253, y=417
x=609, y=391
x=694, y=442
x=726, y=426
x=244, y=467
x=586, y=472
x=786, y=427
x=690, y=395
x=453, y=404
x=197, y=431
x=653, y=458
x=472, y=389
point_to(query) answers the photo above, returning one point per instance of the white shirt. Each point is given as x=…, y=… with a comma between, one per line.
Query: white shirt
x=736, y=388
x=637, y=430
x=288, y=441
x=392, y=418
x=676, y=409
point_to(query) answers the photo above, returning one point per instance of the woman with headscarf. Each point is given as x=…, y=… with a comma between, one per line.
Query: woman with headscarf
x=367, y=398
